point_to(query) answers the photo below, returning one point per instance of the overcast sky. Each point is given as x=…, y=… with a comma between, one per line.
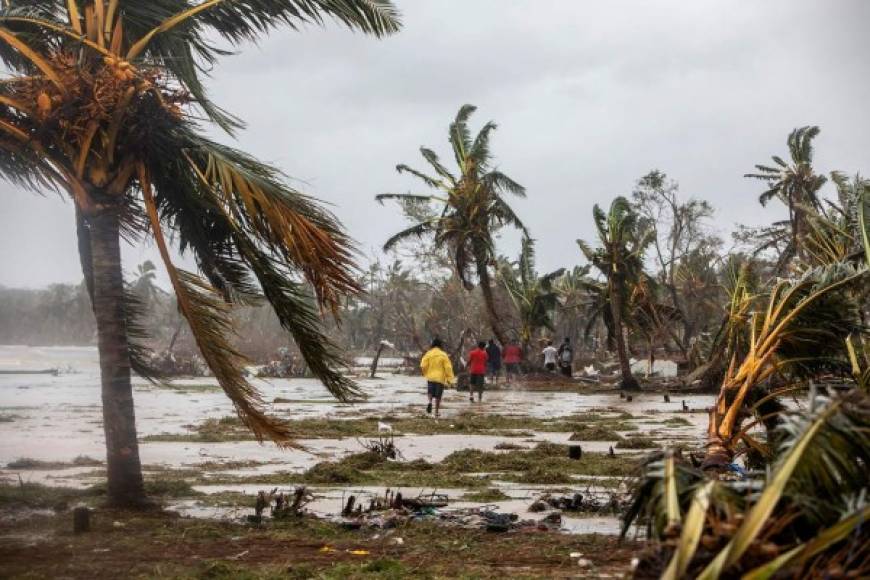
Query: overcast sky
x=588, y=96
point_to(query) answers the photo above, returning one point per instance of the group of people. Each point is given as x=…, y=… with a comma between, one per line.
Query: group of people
x=486, y=360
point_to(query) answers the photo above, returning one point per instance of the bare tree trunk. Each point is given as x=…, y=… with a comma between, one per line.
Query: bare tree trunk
x=124, y=470
x=628, y=383
x=489, y=301
x=376, y=359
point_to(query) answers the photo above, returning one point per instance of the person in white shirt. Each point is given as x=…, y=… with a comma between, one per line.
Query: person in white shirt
x=550, y=355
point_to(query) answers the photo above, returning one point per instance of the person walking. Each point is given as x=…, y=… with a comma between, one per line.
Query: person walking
x=477, y=360
x=513, y=356
x=493, y=352
x=566, y=358
x=550, y=355
x=438, y=371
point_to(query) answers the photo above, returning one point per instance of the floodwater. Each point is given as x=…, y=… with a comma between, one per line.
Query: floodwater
x=58, y=418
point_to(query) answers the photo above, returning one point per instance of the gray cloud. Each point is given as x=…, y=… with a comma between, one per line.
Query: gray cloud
x=588, y=96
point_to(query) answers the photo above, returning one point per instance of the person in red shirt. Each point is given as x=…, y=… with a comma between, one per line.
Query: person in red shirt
x=513, y=356
x=477, y=369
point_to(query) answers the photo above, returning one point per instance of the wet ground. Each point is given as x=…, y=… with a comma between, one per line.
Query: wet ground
x=58, y=418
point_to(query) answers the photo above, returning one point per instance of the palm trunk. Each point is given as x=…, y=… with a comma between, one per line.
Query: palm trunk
x=628, y=383
x=125, y=487
x=489, y=301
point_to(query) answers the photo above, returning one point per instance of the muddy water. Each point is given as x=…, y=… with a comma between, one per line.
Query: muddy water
x=57, y=418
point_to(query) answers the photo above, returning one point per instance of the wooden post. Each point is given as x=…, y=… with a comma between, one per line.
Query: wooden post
x=81, y=520
x=348, y=508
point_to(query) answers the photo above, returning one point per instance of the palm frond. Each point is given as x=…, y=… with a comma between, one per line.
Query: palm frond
x=498, y=181
x=432, y=158
x=291, y=224
x=430, y=181
x=479, y=151
x=210, y=322
x=415, y=231
x=460, y=136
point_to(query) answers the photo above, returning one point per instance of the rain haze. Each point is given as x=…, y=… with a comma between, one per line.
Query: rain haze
x=588, y=96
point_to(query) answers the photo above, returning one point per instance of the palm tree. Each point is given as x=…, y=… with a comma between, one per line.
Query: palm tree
x=624, y=237
x=796, y=185
x=573, y=299
x=533, y=296
x=473, y=207
x=107, y=104
x=144, y=285
x=800, y=333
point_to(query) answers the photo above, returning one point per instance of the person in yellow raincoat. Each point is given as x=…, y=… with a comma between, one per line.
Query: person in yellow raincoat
x=438, y=371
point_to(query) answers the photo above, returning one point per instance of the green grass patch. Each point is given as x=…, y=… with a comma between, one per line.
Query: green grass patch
x=28, y=463
x=677, y=422
x=231, y=428
x=487, y=495
x=595, y=432
x=638, y=442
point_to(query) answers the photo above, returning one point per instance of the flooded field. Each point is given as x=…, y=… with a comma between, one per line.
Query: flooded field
x=51, y=433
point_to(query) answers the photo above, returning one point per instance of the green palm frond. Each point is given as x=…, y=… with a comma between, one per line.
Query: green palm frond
x=479, y=151
x=432, y=158
x=430, y=181
x=498, y=181
x=415, y=231
x=460, y=136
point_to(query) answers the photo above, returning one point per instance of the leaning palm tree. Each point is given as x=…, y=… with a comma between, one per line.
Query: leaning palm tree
x=624, y=237
x=797, y=335
x=473, y=207
x=797, y=185
x=533, y=296
x=805, y=517
x=106, y=103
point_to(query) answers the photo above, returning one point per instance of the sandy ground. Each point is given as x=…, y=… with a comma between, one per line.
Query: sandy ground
x=57, y=418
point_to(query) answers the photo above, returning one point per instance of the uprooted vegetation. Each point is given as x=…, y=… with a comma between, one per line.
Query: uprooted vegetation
x=591, y=426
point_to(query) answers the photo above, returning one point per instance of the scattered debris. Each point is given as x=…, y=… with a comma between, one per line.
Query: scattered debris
x=588, y=501
x=287, y=365
x=384, y=446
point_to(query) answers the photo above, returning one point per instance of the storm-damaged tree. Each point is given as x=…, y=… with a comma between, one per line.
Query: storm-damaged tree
x=533, y=296
x=684, y=254
x=104, y=103
x=472, y=208
x=624, y=237
x=797, y=185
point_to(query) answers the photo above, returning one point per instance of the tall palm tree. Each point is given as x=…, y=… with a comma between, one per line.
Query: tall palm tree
x=623, y=238
x=473, y=207
x=533, y=296
x=797, y=185
x=106, y=103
